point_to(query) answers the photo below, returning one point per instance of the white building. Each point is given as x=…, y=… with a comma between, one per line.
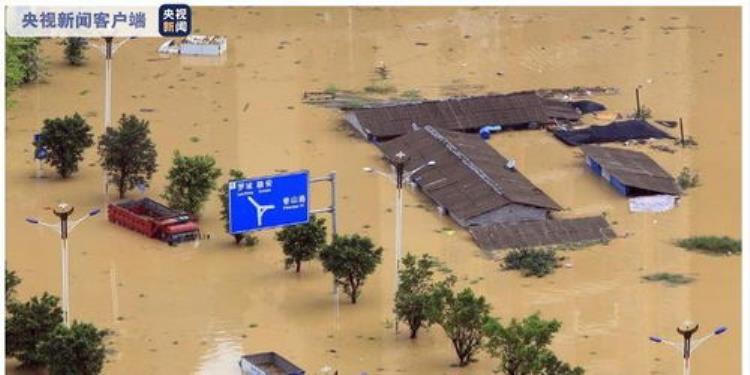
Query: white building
x=198, y=45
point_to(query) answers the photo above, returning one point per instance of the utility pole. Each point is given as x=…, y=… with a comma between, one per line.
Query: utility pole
x=637, y=104
x=63, y=211
x=682, y=134
x=399, y=163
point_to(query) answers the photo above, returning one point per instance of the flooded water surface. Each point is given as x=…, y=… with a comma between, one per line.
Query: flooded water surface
x=197, y=309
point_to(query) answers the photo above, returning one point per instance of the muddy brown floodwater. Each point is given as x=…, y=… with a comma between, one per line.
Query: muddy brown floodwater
x=197, y=309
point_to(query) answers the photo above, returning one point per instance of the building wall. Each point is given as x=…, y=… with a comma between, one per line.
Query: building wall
x=599, y=171
x=201, y=49
x=509, y=214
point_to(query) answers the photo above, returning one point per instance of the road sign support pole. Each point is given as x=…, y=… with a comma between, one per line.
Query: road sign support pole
x=331, y=177
x=39, y=172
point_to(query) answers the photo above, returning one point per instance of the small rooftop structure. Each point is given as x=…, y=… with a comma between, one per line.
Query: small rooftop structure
x=517, y=110
x=542, y=233
x=199, y=45
x=631, y=173
x=471, y=181
x=618, y=131
x=268, y=363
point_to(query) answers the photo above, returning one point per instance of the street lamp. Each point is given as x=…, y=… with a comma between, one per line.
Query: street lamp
x=63, y=211
x=399, y=163
x=687, y=329
x=108, y=50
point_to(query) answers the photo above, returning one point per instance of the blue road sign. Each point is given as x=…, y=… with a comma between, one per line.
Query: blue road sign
x=270, y=201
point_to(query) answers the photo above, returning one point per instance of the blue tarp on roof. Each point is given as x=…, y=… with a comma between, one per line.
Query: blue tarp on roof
x=618, y=131
x=588, y=106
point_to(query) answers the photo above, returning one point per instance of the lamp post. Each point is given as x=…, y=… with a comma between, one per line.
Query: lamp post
x=399, y=164
x=687, y=329
x=63, y=211
x=108, y=50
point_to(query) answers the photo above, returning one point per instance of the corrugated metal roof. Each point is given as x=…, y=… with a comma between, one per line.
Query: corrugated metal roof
x=633, y=168
x=542, y=233
x=470, y=177
x=467, y=114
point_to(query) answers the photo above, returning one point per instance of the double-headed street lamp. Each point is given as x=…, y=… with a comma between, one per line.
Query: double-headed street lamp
x=108, y=50
x=399, y=163
x=63, y=211
x=687, y=329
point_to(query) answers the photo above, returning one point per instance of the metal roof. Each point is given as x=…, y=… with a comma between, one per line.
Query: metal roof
x=617, y=131
x=633, y=168
x=467, y=114
x=542, y=233
x=470, y=177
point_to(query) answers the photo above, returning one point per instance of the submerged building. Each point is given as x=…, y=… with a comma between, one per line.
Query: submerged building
x=470, y=182
x=511, y=111
x=631, y=173
x=197, y=45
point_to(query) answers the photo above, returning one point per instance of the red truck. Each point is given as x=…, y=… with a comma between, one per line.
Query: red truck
x=154, y=220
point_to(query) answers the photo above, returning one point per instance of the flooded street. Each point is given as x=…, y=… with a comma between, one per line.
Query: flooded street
x=196, y=309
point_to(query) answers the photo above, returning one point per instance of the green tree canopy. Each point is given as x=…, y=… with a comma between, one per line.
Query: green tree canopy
x=351, y=259
x=79, y=350
x=23, y=63
x=302, y=242
x=463, y=317
x=416, y=299
x=127, y=154
x=249, y=239
x=11, y=282
x=531, y=262
x=522, y=347
x=74, y=50
x=28, y=324
x=191, y=180
x=65, y=139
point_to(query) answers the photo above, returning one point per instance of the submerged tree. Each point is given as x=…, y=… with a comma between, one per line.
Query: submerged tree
x=463, y=317
x=128, y=154
x=418, y=296
x=65, y=140
x=74, y=50
x=29, y=324
x=522, y=347
x=249, y=239
x=191, y=180
x=23, y=63
x=531, y=261
x=79, y=350
x=302, y=242
x=11, y=282
x=351, y=259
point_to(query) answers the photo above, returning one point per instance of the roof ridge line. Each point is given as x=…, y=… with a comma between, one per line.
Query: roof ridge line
x=465, y=160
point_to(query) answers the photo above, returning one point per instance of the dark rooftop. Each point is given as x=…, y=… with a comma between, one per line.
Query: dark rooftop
x=542, y=233
x=465, y=114
x=470, y=177
x=618, y=131
x=633, y=168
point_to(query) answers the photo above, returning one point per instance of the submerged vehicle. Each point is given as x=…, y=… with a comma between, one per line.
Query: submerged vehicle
x=155, y=220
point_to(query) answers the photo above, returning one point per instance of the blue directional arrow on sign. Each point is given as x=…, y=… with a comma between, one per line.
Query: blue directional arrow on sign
x=270, y=201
